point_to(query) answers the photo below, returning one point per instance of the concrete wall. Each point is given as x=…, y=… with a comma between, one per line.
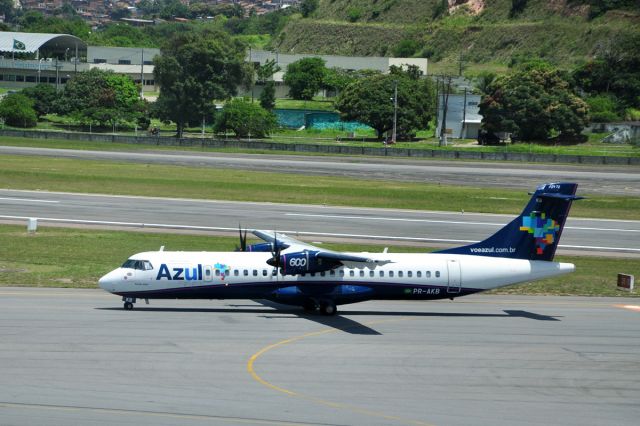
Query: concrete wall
x=325, y=149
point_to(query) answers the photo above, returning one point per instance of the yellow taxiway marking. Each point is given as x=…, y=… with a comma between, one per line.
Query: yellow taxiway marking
x=336, y=405
x=630, y=307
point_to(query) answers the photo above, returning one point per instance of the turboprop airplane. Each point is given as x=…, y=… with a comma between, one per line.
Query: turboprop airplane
x=285, y=270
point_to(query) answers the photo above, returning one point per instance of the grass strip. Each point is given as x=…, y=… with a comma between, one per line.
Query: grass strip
x=72, y=257
x=89, y=176
x=335, y=137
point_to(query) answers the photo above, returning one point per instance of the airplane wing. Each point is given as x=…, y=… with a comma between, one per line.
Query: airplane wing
x=293, y=245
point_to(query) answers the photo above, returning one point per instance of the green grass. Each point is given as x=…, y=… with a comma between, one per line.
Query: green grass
x=71, y=257
x=58, y=174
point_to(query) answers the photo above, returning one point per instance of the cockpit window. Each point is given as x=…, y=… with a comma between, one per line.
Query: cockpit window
x=143, y=265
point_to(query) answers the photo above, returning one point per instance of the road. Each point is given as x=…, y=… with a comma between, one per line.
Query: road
x=611, y=180
x=75, y=357
x=314, y=223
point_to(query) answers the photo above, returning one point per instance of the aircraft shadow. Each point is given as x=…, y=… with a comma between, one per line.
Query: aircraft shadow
x=339, y=322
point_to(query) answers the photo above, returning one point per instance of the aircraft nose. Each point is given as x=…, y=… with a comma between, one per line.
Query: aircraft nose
x=108, y=281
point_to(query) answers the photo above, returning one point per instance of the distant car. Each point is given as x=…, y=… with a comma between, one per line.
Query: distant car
x=488, y=138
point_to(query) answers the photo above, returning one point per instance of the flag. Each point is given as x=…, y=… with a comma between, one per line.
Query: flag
x=18, y=45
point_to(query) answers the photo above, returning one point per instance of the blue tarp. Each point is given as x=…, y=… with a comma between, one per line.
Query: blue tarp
x=296, y=118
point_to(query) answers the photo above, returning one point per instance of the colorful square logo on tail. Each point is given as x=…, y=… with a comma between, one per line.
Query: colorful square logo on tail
x=543, y=230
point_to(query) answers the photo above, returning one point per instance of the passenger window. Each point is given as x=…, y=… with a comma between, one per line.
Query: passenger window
x=382, y=274
x=428, y=274
x=246, y=273
x=322, y=274
x=313, y=274
x=437, y=274
x=274, y=272
x=362, y=273
x=371, y=274
x=264, y=272
x=409, y=274
x=390, y=273
x=332, y=272
x=236, y=272
x=400, y=274
x=418, y=274
x=217, y=272
x=352, y=273
x=342, y=272
x=255, y=272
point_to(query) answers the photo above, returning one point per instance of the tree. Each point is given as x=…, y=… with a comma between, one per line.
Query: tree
x=304, y=77
x=336, y=79
x=615, y=71
x=101, y=97
x=534, y=105
x=517, y=7
x=268, y=96
x=245, y=118
x=44, y=97
x=370, y=101
x=193, y=71
x=307, y=7
x=17, y=110
x=7, y=8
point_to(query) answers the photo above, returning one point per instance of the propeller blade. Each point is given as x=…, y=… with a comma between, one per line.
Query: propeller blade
x=243, y=240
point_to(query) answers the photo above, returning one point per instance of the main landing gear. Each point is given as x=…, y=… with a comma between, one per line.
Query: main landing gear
x=325, y=307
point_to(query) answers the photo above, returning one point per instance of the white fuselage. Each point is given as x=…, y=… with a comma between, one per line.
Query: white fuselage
x=443, y=275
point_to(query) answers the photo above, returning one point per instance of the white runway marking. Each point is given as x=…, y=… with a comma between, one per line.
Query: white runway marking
x=454, y=222
x=28, y=200
x=292, y=233
x=631, y=307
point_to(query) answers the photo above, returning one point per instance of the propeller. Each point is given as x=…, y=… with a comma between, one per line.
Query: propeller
x=243, y=239
x=275, y=252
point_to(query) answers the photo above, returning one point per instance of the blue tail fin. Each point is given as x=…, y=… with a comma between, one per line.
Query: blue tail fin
x=533, y=235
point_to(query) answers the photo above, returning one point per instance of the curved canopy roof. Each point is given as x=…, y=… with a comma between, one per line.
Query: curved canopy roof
x=31, y=42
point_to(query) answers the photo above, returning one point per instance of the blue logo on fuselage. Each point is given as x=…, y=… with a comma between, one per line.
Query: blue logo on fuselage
x=180, y=273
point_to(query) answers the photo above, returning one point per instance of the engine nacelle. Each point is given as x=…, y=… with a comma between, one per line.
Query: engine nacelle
x=305, y=262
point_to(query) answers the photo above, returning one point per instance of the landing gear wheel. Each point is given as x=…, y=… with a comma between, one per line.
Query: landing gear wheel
x=328, y=308
x=128, y=306
x=310, y=305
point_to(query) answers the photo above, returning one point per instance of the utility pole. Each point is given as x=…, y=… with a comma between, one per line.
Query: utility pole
x=57, y=75
x=446, y=86
x=395, y=111
x=464, y=114
x=142, y=75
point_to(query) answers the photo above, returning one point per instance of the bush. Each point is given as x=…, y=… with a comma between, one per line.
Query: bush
x=603, y=108
x=406, y=49
x=17, y=110
x=245, y=118
x=354, y=14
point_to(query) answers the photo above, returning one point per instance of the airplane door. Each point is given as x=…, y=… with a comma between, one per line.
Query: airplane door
x=454, y=276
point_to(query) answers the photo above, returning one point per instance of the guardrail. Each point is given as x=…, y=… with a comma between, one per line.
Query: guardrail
x=324, y=149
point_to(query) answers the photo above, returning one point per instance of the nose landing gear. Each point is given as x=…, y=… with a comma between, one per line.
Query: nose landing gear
x=128, y=303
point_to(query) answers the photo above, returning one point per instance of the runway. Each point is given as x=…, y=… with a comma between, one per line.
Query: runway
x=313, y=223
x=610, y=180
x=75, y=357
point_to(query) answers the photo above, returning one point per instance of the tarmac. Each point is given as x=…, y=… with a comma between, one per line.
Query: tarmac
x=70, y=356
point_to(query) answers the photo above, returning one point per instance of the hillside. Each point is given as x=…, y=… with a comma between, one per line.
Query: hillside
x=481, y=31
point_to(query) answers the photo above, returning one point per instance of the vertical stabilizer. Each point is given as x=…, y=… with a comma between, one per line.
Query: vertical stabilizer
x=533, y=235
